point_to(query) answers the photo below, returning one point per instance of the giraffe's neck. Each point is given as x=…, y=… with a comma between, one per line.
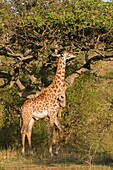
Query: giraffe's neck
x=58, y=81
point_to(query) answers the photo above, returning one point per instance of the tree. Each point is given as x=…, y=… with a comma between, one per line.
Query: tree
x=75, y=25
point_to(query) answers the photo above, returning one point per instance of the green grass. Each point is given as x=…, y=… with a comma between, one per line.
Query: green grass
x=109, y=75
x=12, y=160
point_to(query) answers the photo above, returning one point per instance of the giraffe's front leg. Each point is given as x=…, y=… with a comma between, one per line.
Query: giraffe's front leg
x=52, y=121
x=61, y=135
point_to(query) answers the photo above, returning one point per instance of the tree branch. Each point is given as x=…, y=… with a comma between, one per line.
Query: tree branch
x=7, y=76
x=28, y=74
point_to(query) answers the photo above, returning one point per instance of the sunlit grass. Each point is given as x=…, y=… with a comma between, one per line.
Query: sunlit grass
x=11, y=159
x=9, y=154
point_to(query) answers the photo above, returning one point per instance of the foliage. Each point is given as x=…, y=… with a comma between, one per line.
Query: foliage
x=88, y=118
x=5, y=17
x=10, y=118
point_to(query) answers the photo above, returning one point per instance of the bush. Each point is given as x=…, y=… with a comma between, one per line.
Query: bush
x=88, y=118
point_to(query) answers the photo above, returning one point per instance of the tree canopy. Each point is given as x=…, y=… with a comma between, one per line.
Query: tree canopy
x=30, y=36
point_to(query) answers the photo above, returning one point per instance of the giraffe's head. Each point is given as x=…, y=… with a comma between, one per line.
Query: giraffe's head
x=66, y=55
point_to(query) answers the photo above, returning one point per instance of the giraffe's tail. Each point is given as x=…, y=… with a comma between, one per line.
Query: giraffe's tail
x=20, y=121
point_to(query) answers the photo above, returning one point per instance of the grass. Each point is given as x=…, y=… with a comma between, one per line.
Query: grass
x=12, y=160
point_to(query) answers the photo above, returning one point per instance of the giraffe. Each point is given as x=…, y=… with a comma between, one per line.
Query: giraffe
x=45, y=105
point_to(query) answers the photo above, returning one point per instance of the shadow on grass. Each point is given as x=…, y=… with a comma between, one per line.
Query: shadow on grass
x=65, y=160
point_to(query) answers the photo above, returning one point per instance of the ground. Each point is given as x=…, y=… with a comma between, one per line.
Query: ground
x=12, y=160
x=50, y=165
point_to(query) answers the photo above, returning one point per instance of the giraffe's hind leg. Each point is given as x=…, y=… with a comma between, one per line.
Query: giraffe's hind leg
x=29, y=132
x=23, y=134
